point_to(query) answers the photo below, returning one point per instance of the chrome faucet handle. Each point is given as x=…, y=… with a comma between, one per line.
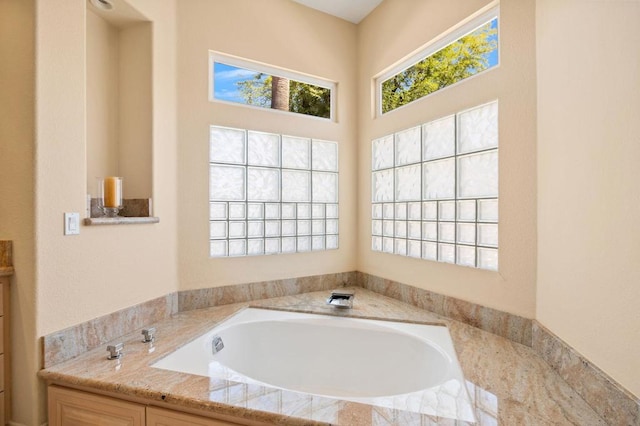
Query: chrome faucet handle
x=149, y=334
x=216, y=344
x=115, y=351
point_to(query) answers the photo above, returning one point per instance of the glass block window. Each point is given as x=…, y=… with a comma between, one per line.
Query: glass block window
x=435, y=190
x=271, y=193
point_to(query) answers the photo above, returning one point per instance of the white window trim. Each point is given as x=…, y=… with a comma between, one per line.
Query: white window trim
x=468, y=25
x=270, y=70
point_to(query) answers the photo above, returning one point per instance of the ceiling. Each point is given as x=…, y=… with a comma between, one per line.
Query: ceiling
x=349, y=10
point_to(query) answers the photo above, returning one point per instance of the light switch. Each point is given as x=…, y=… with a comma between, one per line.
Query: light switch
x=71, y=223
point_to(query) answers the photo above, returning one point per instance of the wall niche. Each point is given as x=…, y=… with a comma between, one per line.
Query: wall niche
x=119, y=106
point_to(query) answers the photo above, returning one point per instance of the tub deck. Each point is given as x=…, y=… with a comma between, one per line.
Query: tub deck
x=508, y=383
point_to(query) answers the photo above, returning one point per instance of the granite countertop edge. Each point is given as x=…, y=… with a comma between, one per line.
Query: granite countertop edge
x=171, y=401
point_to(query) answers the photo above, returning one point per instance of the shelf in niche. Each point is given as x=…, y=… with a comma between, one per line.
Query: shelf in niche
x=135, y=211
x=120, y=220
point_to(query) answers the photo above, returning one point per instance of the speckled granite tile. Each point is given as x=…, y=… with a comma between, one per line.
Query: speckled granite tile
x=136, y=207
x=610, y=400
x=216, y=296
x=131, y=207
x=501, y=323
x=511, y=385
x=367, y=305
x=120, y=220
x=73, y=341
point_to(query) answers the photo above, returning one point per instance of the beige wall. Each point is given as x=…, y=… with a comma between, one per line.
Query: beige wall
x=102, y=105
x=135, y=141
x=393, y=31
x=588, y=174
x=283, y=34
x=120, y=265
x=119, y=104
x=17, y=187
x=104, y=269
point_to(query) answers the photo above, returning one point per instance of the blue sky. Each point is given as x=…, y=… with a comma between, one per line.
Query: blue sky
x=493, y=56
x=226, y=77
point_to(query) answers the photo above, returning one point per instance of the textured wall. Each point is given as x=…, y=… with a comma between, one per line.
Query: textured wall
x=394, y=31
x=104, y=268
x=17, y=188
x=283, y=34
x=588, y=203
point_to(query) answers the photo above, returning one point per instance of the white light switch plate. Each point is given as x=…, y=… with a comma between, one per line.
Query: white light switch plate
x=71, y=223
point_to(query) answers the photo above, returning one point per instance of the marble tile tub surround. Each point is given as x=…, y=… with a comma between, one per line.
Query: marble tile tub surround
x=501, y=323
x=73, y=341
x=509, y=384
x=611, y=401
x=602, y=391
x=59, y=346
x=6, y=257
x=68, y=343
x=215, y=296
x=513, y=327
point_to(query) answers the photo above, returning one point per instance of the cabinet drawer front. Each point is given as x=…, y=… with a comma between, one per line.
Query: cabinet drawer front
x=3, y=419
x=161, y=417
x=71, y=407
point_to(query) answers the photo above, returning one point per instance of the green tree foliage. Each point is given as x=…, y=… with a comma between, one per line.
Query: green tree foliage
x=461, y=59
x=304, y=98
x=256, y=91
x=309, y=99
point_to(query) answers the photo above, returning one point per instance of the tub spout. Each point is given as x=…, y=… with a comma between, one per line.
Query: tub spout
x=341, y=299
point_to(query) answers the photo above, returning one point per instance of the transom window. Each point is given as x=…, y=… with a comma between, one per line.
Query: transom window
x=253, y=84
x=463, y=52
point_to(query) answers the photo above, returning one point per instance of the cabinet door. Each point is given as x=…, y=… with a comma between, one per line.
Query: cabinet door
x=69, y=407
x=161, y=417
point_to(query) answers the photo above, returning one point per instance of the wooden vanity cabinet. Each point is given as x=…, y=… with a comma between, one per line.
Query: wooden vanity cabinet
x=162, y=417
x=70, y=407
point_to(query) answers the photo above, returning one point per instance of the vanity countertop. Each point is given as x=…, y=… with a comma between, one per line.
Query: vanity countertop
x=508, y=383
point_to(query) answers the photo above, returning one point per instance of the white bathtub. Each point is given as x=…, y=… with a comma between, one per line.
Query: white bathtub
x=391, y=364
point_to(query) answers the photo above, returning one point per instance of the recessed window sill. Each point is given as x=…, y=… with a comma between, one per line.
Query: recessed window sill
x=92, y=221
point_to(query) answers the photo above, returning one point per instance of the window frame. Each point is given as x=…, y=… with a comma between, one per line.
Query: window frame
x=463, y=28
x=272, y=70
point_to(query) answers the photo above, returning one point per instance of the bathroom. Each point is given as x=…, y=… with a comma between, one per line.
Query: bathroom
x=569, y=98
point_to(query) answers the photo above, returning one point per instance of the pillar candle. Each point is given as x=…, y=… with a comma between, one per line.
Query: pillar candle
x=112, y=191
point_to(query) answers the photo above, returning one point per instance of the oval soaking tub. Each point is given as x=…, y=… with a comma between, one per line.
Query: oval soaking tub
x=386, y=363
